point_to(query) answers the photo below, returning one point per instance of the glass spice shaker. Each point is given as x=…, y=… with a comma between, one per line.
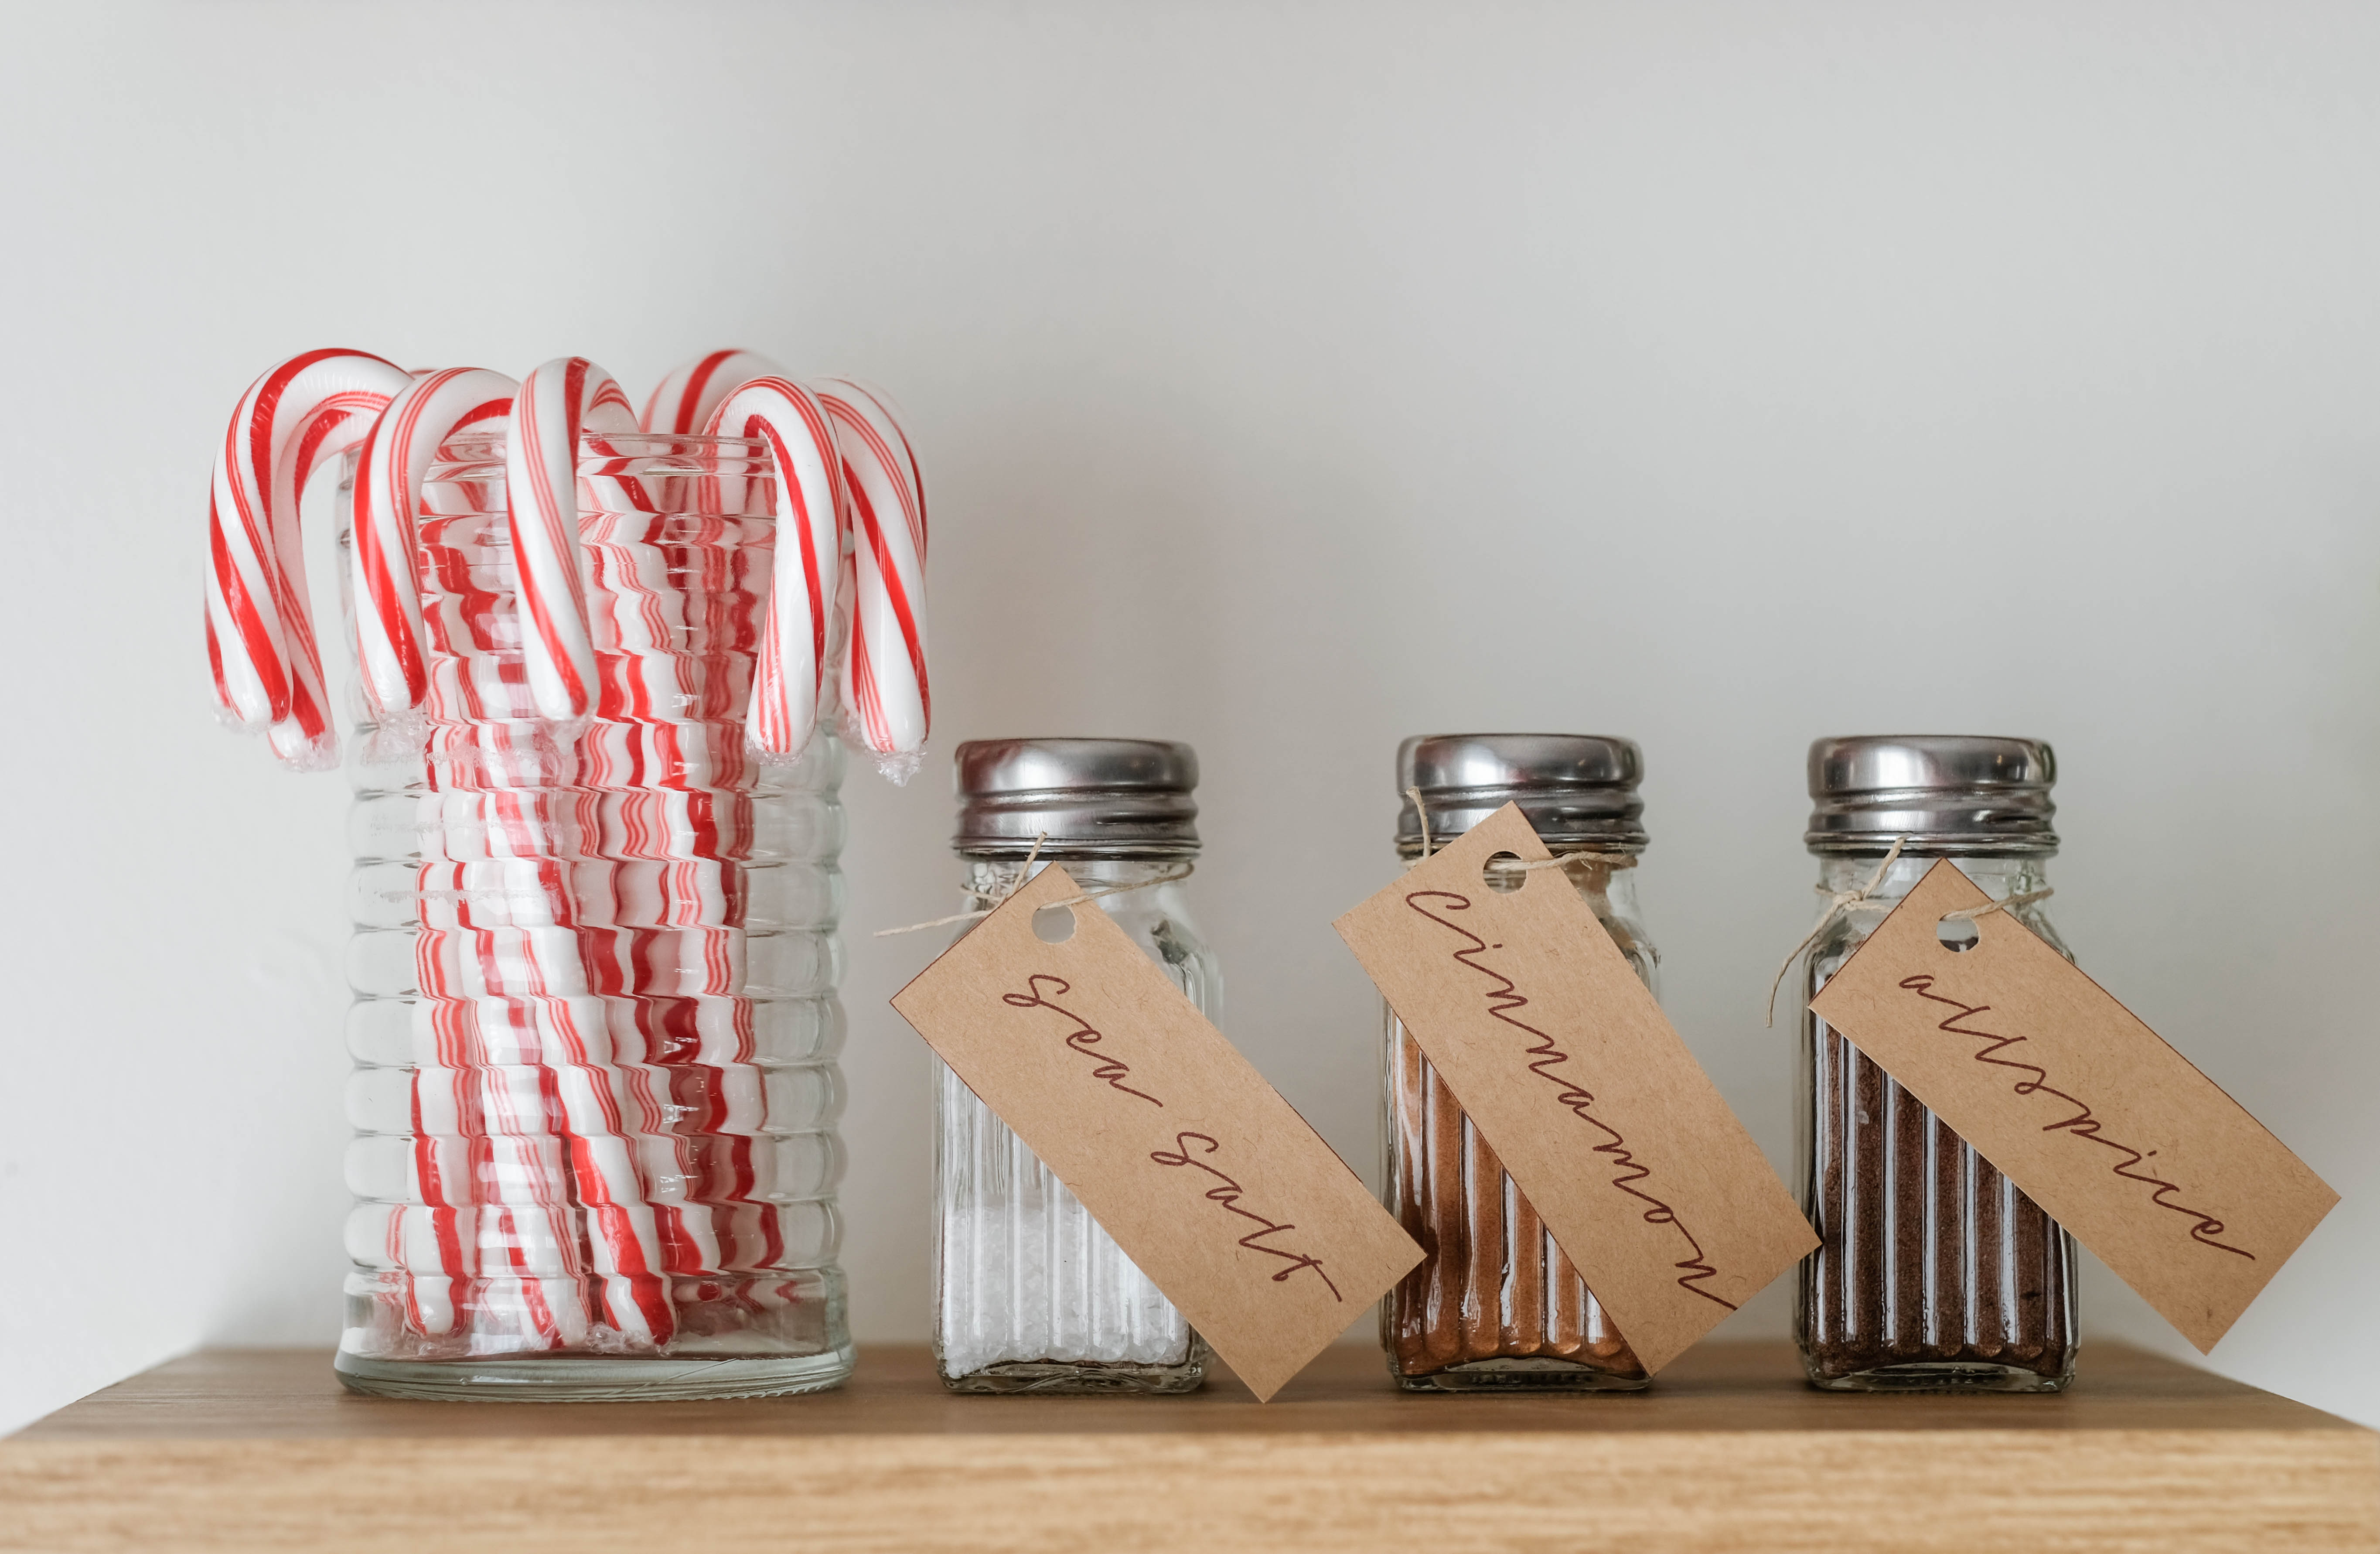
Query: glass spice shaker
x=1031, y=1295
x=1933, y=1273
x=1494, y=1303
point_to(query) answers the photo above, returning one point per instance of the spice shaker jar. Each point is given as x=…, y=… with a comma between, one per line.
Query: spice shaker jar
x=1933, y=1271
x=1494, y=1303
x=1032, y=1296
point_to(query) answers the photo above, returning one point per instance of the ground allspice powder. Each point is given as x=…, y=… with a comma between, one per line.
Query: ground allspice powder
x=1927, y=1256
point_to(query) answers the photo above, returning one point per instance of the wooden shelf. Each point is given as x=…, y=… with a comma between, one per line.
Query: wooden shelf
x=261, y=1450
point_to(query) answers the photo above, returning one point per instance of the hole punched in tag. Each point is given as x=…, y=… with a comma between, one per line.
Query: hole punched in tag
x=1503, y=873
x=1054, y=925
x=1962, y=930
x=1958, y=935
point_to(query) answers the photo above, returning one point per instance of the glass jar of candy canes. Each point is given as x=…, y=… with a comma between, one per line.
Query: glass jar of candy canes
x=595, y=963
x=1031, y=1295
x=1933, y=1272
x=1495, y=1306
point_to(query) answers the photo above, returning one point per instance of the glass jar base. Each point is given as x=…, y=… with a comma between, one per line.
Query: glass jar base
x=1522, y=1376
x=594, y=1377
x=1938, y=1376
x=1080, y=1378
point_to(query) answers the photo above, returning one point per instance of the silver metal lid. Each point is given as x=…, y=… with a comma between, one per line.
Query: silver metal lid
x=1103, y=798
x=1576, y=788
x=1947, y=792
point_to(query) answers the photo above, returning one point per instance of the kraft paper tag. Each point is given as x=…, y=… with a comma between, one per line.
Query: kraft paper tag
x=2085, y=1109
x=1565, y=1064
x=1210, y=1181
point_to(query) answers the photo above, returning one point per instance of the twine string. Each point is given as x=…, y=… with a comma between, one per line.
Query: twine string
x=1000, y=893
x=1839, y=903
x=1614, y=861
x=1842, y=904
x=1972, y=914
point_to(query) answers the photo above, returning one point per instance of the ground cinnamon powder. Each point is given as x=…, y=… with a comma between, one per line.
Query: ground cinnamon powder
x=1494, y=1302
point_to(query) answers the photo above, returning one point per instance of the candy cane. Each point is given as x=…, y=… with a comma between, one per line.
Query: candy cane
x=690, y=397
x=387, y=561
x=556, y=403
x=884, y=672
x=295, y=420
x=810, y=504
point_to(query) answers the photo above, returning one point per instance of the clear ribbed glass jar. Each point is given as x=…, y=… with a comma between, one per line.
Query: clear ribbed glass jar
x=1031, y=1294
x=1494, y=1305
x=1933, y=1272
x=596, y=1028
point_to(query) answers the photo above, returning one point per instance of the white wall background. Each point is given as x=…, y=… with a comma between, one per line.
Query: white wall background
x=1291, y=379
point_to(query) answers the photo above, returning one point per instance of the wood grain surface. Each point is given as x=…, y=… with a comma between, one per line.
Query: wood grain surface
x=262, y=1449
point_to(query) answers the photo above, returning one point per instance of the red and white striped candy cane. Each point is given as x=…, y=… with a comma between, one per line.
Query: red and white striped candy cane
x=387, y=560
x=884, y=684
x=688, y=397
x=295, y=420
x=810, y=505
x=556, y=403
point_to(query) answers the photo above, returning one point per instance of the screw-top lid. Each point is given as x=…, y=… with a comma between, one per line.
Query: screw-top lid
x=1947, y=792
x=1106, y=798
x=1576, y=788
